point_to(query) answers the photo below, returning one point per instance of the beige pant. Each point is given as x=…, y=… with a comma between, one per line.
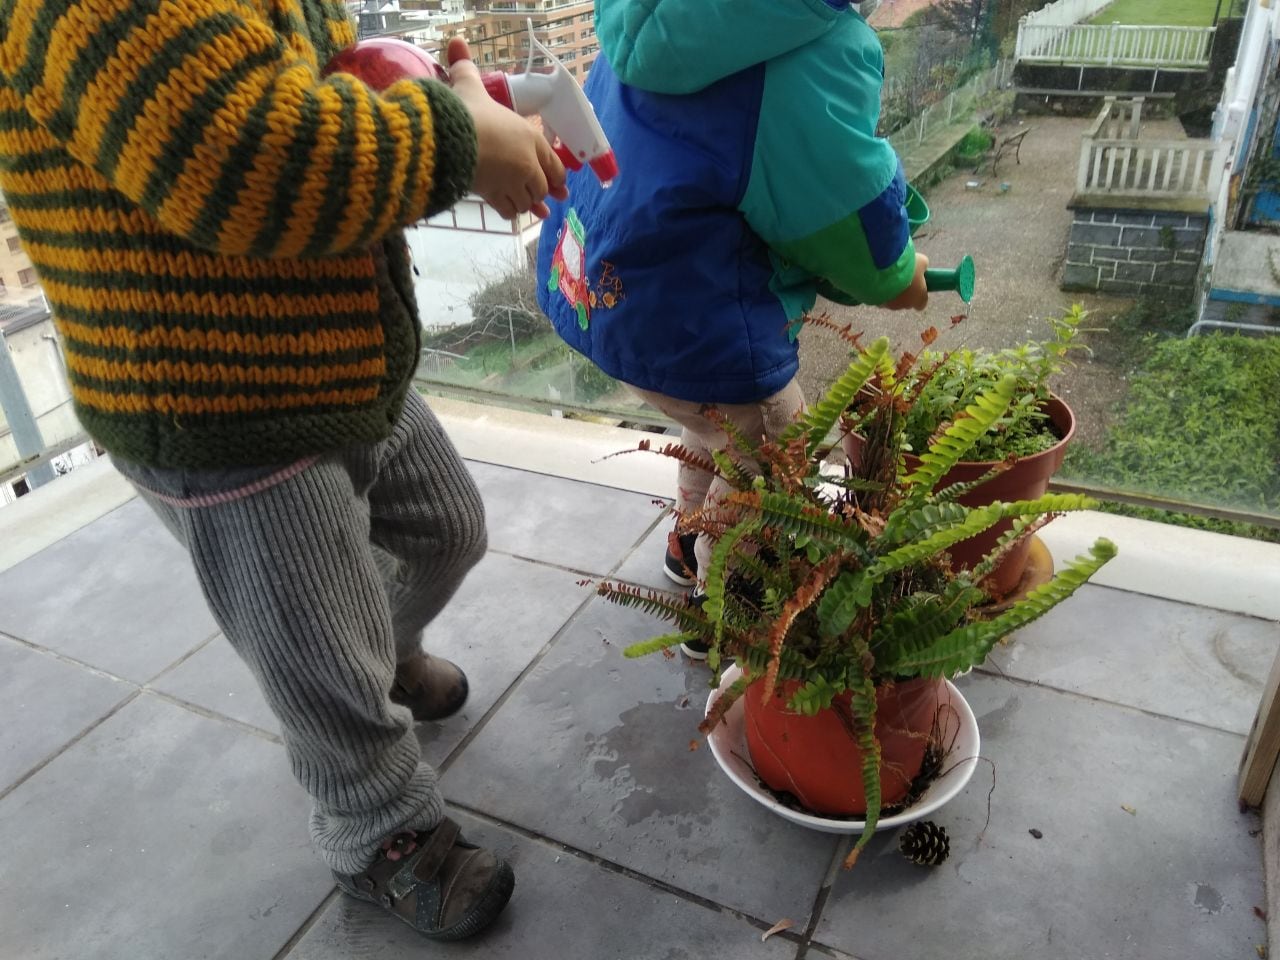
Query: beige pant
x=696, y=489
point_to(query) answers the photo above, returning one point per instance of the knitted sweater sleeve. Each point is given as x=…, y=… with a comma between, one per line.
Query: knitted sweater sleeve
x=203, y=115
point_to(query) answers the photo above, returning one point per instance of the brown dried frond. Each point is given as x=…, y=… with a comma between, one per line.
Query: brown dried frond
x=843, y=331
x=803, y=598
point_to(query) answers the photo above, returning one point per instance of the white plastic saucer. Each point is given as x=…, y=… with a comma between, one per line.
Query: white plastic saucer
x=960, y=731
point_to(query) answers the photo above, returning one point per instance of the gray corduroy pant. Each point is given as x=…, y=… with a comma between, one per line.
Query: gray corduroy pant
x=323, y=574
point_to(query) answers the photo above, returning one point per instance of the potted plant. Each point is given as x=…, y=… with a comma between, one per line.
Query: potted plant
x=836, y=596
x=1019, y=454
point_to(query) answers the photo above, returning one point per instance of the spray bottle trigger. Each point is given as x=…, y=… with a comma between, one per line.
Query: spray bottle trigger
x=561, y=150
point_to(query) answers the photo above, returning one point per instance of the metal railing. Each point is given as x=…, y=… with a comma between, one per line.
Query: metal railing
x=1115, y=44
x=1113, y=160
x=957, y=105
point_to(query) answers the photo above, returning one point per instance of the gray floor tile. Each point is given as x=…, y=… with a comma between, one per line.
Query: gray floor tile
x=44, y=703
x=1175, y=879
x=120, y=594
x=160, y=834
x=503, y=615
x=1182, y=661
x=564, y=908
x=573, y=524
x=217, y=679
x=593, y=750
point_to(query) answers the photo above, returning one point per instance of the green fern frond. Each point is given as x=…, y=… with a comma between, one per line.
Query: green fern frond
x=841, y=602
x=769, y=576
x=1020, y=528
x=664, y=606
x=817, y=693
x=976, y=520
x=755, y=659
x=819, y=419
x=911, y=522
x=645, y=647
x=949, y=449
x=954, y=491
x=713, y=605
x=733, y=472
x=800, y=518
x=969, y=645
x=924, y=620
x=863, y=708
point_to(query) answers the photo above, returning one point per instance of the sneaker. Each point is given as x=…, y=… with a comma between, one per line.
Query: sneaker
x=696, y=649
x=433, y=688
x=681, y=565
x=436, y=882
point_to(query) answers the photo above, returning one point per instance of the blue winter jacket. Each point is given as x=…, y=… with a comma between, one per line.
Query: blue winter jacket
x=745, y=133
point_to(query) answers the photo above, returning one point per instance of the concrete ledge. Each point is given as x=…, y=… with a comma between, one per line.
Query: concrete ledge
x=1156, y=559
x=1137, y=203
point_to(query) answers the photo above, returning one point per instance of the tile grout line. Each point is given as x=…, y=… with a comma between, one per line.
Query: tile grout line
x=182, y=659
x=71, y=661
x=507, y=694
x=139, y=688
x=618, y=869
x=537, y=659
x=824, y=894
x=1182, y=603
x=214, y=715
x=1088, y=698
x=69, y=744
x=312, y=919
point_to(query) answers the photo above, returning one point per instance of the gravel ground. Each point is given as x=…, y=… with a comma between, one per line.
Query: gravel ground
x=1018, y=240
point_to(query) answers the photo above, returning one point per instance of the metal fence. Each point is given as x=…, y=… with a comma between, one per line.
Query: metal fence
x=957, y=105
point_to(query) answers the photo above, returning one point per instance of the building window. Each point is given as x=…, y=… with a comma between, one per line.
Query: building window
x=4, y=214
x=27, y=277
x=15, y=245
x=20, y=487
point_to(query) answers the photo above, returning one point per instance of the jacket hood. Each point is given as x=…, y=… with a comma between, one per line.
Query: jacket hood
x=682, y=46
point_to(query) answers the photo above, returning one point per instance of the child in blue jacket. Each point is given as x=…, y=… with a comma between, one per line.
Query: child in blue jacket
x=746, y=130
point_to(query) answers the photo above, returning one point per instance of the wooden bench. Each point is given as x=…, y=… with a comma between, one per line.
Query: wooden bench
x=1013, y=143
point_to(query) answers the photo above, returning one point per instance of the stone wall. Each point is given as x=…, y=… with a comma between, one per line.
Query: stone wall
x=1133, y=253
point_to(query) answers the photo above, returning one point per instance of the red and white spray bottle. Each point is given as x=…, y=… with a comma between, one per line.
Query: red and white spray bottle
x=568, y=120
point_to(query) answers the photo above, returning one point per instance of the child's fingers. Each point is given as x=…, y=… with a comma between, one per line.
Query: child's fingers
x=551, y=167
x=457, y=50
x=540, y=210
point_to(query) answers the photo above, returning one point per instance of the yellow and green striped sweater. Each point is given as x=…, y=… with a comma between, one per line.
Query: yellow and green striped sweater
x=216, y=227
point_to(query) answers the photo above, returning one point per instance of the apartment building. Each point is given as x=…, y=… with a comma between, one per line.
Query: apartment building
x=499, y=38
x=18, y=283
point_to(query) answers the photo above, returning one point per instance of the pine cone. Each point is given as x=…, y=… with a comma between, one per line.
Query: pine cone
x=925, y=843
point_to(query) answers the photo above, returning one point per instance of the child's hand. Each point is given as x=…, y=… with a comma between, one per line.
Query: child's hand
x=916, y=296
x=515, y=166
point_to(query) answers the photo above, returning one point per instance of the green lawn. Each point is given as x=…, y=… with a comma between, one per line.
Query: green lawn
x=1173, y=13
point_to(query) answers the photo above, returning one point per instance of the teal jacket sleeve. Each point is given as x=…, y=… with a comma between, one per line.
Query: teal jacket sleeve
x=825, y=192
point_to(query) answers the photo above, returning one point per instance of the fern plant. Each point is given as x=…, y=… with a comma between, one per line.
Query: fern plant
x=950, y=382
x=843, y=583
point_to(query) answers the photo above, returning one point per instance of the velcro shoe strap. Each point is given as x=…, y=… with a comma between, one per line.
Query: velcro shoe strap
x=436, y=847
x=423, y=865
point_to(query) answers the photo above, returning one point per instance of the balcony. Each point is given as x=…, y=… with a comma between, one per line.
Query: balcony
x=139, y=758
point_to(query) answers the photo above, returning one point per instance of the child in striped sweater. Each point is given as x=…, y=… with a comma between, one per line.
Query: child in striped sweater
x=218, y=232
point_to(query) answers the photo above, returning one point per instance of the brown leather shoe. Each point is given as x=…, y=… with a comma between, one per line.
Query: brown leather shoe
x=436, y=882
x=433, y=688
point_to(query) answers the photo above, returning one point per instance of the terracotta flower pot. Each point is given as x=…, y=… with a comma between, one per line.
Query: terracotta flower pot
x=817, y=761
x=1025, y=480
